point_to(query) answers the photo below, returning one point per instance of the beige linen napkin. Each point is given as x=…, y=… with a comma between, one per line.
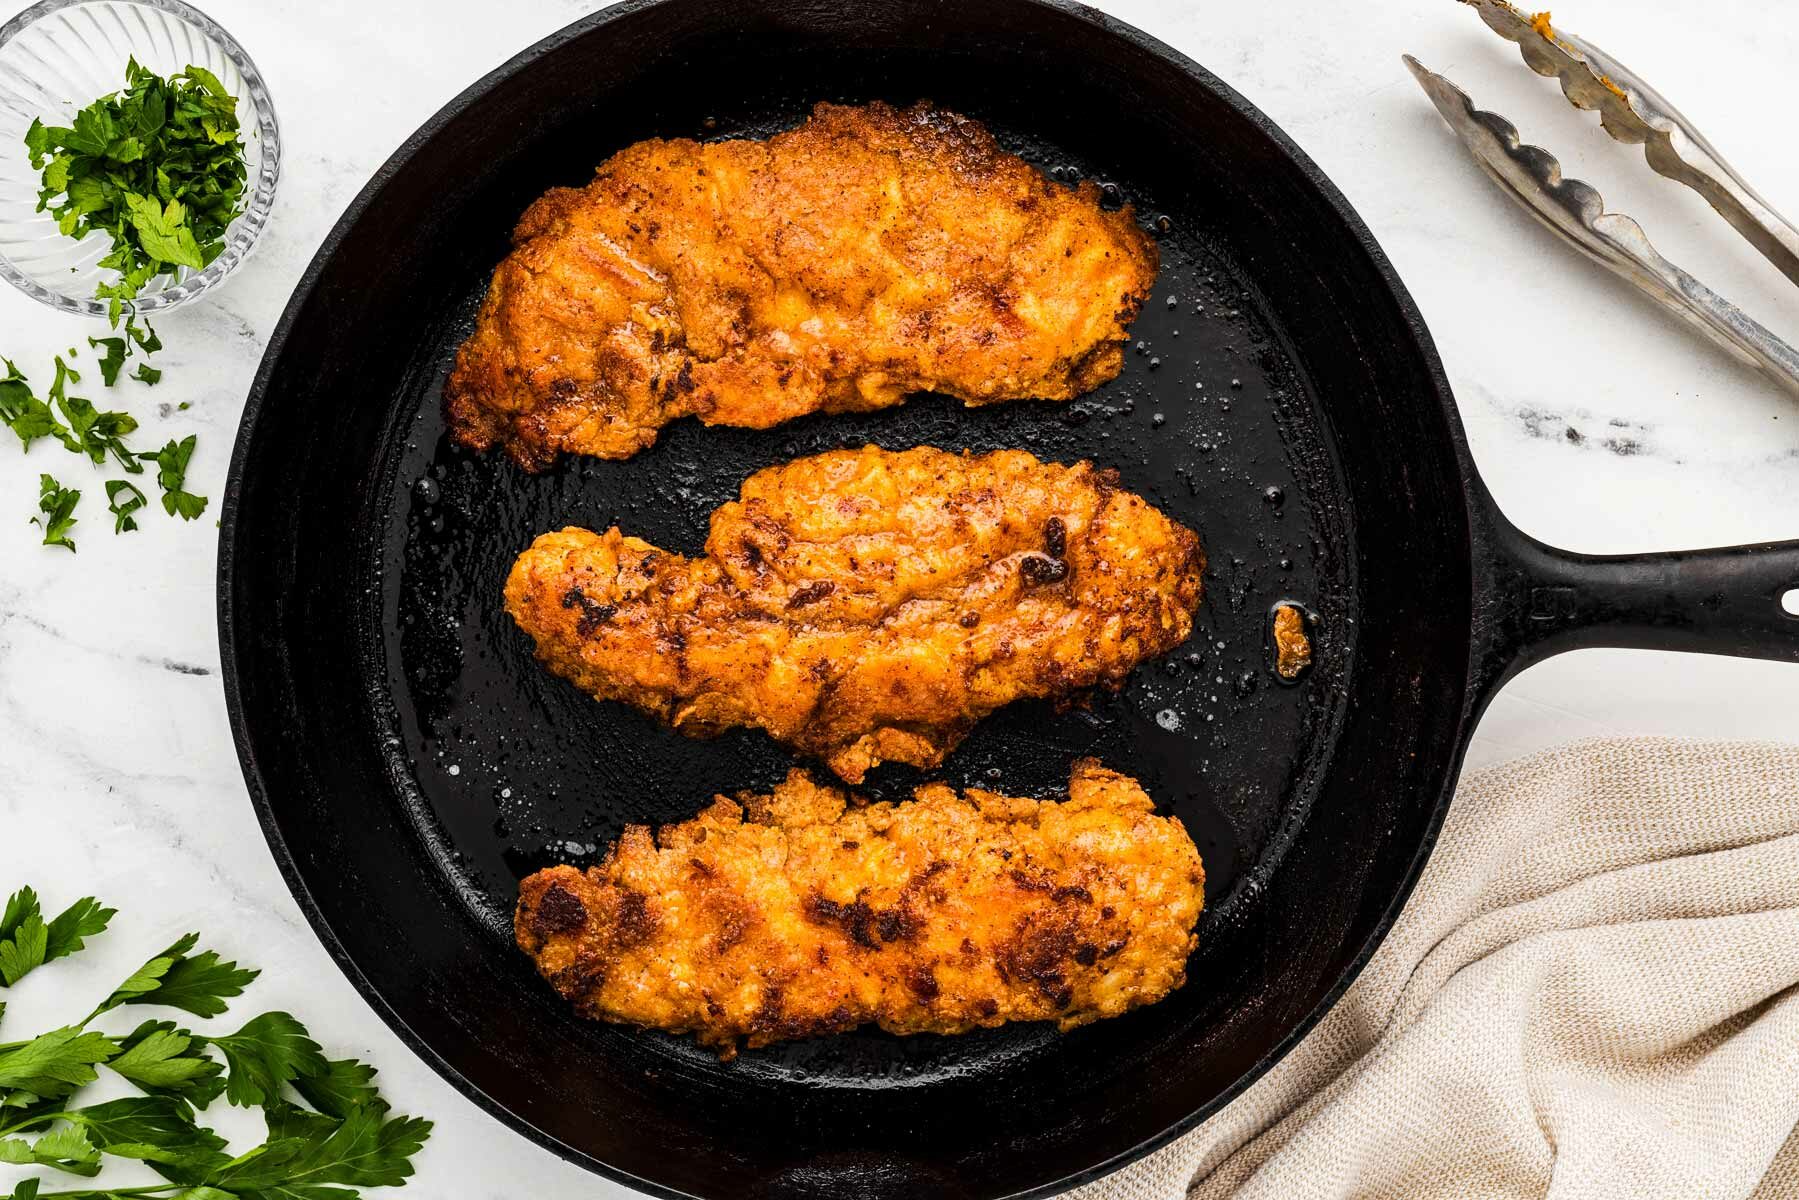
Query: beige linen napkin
x=1593, y=993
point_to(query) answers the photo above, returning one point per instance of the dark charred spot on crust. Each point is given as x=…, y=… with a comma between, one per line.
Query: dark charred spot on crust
x=752, y=554
x=851, y=845
x=701, y=869
x=1072, y=892
x=1027, y=882
x=812, y=593
x=969, y=620
x=987, y=1006
x=769, y=1010
x=684, y=380
x=1055, y=538
x=636, y=924
x=922, y=981
x=579, y=978
x=1041, y=946
x=1040, y=569
x=593, y=613
x=772, y=1022
x=1107, y=912
x=898, y=924
x=560, y=911
x=855, y=918
x=862, y=923
x=1086, y=954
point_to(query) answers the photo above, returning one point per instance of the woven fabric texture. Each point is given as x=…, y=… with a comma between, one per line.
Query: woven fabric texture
x=1593, y=993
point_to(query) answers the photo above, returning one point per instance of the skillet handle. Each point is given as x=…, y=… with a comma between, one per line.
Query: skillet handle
x=1537, y=601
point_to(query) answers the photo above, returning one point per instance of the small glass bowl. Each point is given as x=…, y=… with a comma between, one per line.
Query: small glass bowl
x=59, y=56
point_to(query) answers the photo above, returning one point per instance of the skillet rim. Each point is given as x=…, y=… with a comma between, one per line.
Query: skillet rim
x=1475, y=503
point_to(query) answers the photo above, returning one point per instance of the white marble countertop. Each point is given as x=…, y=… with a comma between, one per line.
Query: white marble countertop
x=117, y=774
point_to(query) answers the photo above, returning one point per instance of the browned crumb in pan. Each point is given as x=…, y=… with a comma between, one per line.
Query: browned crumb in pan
x=800, y=913
x=1292, y=648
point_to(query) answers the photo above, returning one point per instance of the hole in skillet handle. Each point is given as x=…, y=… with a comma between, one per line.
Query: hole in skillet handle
x=1789, y=601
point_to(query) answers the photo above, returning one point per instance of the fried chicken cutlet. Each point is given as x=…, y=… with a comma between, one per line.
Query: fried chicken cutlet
x=795, y=914
x=837, y=267
x=869, y=605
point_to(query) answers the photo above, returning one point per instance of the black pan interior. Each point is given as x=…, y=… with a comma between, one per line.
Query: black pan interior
x=416, y=762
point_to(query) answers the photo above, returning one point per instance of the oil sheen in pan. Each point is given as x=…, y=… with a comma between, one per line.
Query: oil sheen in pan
x=515, y=769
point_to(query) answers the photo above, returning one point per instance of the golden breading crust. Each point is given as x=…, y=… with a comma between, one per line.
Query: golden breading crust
x=869, y=606
x=790, y=915
x=869, y=253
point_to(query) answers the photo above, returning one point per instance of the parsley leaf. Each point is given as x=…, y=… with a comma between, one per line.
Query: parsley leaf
x=23, y=936
x=146, y=978
x=24, y=951
x=57, y=503
x=270, y=1050
x=163, y=1060
x=199, y=984
x=26, y=415
x=112, y=357
x=121, y=510
x=162, y=231
x=154, y=1129
x=91, y=432
x=147, y=374
x=341, y=1086
x=66, y=1149
x=171, y=477
x=366, y=1150
x=83, y=919
x=54, y=1064
x=144, y=336
x=27, y=942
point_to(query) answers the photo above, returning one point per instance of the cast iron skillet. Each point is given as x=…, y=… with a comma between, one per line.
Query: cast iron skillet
x=410, y=762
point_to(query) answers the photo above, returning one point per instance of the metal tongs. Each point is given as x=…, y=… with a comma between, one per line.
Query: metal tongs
x=1632, y=112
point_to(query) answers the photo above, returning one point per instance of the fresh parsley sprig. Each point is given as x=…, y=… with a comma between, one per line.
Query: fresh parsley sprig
x=329, y=1131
